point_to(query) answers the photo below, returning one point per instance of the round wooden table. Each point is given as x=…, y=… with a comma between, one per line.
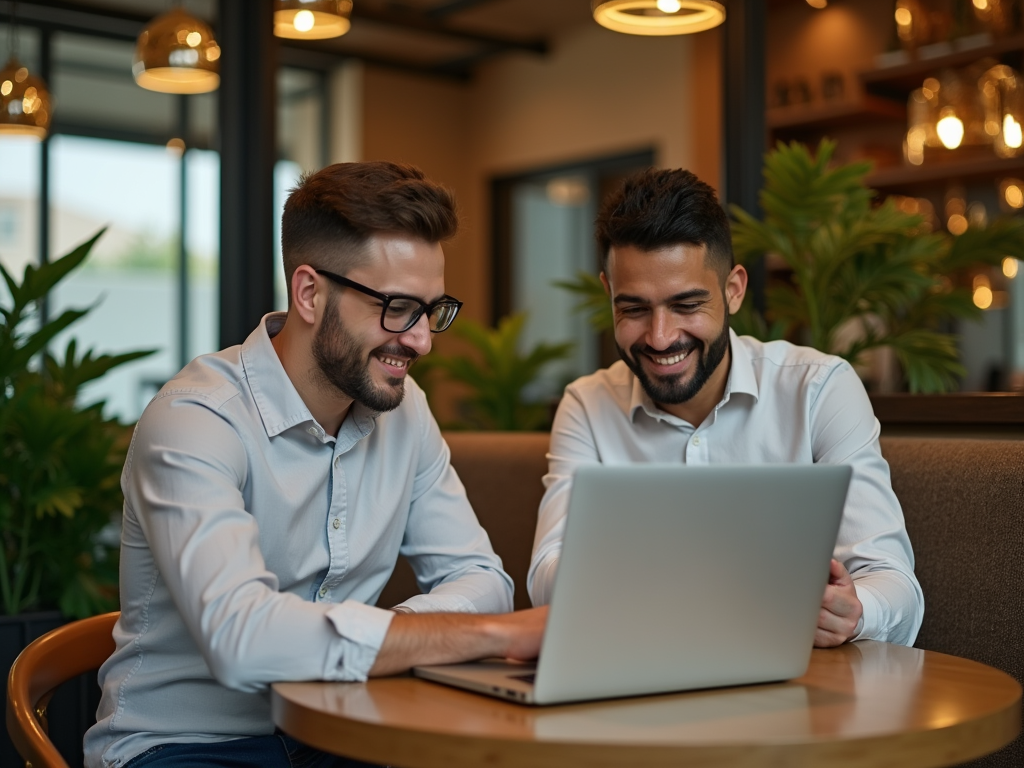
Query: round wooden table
x=863, y=705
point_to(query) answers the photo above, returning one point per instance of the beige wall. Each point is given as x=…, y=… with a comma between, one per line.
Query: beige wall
x=597, y=93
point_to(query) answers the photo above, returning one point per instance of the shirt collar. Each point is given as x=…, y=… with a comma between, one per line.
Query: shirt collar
x=279, y=403
x=741, y=380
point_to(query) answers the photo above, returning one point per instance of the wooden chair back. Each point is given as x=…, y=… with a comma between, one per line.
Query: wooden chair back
x=54, y=658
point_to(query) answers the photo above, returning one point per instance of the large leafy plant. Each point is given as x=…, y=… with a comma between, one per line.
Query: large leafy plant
x=861, y=276
x=497, y=374
x=60, y=461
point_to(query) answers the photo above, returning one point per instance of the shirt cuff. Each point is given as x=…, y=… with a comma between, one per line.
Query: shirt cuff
x=362, y=629
x=868, y=628
x=437, y=604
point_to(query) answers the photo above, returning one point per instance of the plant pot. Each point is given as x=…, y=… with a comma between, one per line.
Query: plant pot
x=72, y=709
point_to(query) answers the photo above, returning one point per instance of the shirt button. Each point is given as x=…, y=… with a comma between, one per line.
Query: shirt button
x=336, y=524
x=312, y=431
x=696, y=439
x=323, y=591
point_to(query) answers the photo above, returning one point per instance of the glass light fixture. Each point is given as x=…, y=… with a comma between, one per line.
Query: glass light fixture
x=176, y=53
x=25, y=104
x=658, y=17
x=1003, y=95
x=312, y=19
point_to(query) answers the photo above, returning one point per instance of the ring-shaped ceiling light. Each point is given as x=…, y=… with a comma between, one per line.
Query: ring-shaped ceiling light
x=312, y=19
x=658, y=17
x=25, y=107
x=176, y=53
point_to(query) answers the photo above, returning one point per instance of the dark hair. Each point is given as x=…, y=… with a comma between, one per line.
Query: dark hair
x=657, y=209
x=330, y=214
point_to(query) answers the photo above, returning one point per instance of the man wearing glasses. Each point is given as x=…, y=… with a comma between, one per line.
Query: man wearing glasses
x=270, y=488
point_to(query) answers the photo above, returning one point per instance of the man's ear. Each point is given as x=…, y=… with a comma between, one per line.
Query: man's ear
x=736, y=288
x=605, y=283
x=304, y=293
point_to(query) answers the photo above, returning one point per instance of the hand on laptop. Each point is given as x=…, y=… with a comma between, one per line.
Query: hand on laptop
x=840, y=609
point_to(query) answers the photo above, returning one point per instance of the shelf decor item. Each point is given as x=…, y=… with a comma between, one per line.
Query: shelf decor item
x=1003, y=97
x=60, y=460
x=312, y=19
x=176, y=53
x=996, y=16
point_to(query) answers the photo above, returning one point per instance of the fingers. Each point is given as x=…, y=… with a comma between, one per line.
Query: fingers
x=837, y=573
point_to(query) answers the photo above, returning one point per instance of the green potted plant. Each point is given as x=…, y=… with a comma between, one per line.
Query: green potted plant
x=861, y=276
x=60, y=460
x=496, y=375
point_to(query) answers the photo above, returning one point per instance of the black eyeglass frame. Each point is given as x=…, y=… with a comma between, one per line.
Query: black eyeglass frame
x=385, y=299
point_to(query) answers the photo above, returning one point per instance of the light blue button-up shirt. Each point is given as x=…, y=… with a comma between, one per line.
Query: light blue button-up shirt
x=254, y=545
x=782, y=404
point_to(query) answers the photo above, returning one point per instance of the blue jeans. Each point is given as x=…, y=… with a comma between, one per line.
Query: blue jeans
x=277, y=751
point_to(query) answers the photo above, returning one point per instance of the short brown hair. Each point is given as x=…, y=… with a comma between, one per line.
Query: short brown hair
x=330, y=214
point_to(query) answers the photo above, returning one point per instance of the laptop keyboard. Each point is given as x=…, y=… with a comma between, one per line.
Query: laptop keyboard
x=530, y=678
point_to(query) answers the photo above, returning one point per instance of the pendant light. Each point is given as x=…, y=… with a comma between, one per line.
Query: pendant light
x=25, y=104
x=176, y=53
x=312, y=19
x=658, y=17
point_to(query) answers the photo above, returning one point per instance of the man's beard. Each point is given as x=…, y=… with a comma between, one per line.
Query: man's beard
x=340, y=360
x=670, y=390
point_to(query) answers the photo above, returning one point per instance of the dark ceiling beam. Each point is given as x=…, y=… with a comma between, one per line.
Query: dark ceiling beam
x=420, y=22
x=58, y=16
x=454, y=6
x=316, y=55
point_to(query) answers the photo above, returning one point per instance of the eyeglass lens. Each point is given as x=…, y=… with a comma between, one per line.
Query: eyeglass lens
x=401, y=315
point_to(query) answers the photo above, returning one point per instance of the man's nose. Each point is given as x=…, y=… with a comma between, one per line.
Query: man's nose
x=663, y=331
x=418, y=336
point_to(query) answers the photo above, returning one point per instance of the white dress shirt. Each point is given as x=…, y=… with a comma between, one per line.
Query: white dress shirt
x=782, y=404
x=255, y=545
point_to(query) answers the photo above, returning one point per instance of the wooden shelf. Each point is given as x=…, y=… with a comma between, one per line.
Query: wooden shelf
x=803, y=117
x=898, y=81
x=987, y=408
x=910, y=178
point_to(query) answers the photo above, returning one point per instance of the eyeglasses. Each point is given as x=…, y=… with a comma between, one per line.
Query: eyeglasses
x=399, y=312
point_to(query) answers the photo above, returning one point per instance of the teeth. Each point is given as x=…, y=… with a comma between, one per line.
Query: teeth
x=670, y=360
x=394, y=362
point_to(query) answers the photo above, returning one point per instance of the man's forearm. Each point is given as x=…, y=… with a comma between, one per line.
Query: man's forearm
x=447, y=638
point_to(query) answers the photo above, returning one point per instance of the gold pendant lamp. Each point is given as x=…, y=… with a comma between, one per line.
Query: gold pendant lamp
x=312, y=19
x=25, y=105
x=658, y=17
x=176, y=53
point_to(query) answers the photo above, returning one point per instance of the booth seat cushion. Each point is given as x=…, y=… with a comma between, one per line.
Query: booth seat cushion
x=502, y=473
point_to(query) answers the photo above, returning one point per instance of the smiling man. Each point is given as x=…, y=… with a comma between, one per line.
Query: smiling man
x=689, y=390
x=270, y=488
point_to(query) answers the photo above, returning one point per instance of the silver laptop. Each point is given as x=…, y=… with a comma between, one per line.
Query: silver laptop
x=678, y=577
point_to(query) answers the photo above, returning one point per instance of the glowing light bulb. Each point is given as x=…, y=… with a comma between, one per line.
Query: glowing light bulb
x=983, y=297
x=819, y=4
x=904, y=17
x=981, y=5
x=1013, y=136
x=1014, y=196
x=193, y=39
x=957, y=224
x=951, y=131
x=6, y=87
x=304, y=21
x=1010, y=267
